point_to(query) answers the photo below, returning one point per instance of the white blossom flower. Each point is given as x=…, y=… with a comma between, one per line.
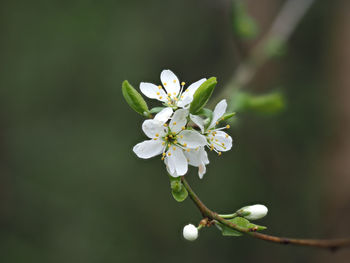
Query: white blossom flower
x=190, y=232
x=217, y=140
x=170, y=140
x=171, y=93
x=255, y=211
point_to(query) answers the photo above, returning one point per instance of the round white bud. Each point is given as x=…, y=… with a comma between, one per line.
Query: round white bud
x=255, y=211
x=190, y=232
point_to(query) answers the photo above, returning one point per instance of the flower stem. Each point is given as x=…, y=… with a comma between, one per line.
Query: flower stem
x=229, y=215
x=331, y=244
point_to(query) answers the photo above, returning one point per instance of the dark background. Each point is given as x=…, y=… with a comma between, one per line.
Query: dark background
x=72, y=190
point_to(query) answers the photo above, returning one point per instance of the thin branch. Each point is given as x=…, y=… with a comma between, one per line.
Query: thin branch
x=331, y=244
x=281, y=29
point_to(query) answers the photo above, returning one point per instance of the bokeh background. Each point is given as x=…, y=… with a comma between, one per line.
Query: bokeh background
x=72, y=190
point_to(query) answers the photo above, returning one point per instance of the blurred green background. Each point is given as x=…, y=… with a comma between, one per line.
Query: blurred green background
x=72, y=190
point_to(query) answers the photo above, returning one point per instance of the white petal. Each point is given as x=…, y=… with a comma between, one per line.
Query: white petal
x=219, y=110
x=152, y=128
x=170, y=166
x=170, y=82
x=193, y=157
x=152, y=91
x=179, y=120
x=187, y=96
x=221, y=141
x=201, y=170
x=204, y=155
x=191, y=139
x=178, y=160
x=148, y=149
x=198, y=121
x=164, y=115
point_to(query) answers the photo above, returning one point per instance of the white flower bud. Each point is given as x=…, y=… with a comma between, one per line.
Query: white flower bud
x=255, y=211
x=190, y=232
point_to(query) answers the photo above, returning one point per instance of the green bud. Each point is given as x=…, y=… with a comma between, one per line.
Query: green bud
x=134, y=99
x=202, y=95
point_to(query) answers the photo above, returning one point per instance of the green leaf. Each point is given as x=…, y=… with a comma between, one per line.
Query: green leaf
x=156, y=109
x=181, y=195
x=178, y=191
x=134, y=99
x=202, y=95
x=244, y=25
x=267, y=104
x=227, y=116
x=242, y=222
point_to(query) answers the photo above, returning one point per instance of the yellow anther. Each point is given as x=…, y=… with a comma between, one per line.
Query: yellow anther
x=158, y=93
x=157, y=134
x=227, y=126
x=165, y=125
x=219, y=153
x=164, y=83
x=174, y=93
x=160, y=97
x=155, y=139
x=226, y=135
x=181, y=136
x=187, y=150
x=163, y=143
x=175, y=142
x=169, y=154
x=162, y=158
x=174, y=80
x=223, y=144
x=217, y=123
x=169, y=145
x=163, y=154
x=222, y=118
x=216, y=140
x=166, y=138
x=176, y=99
x=169, y=94
x=182, y=128
x=174, y=148
x=174, y=123
x=182, y=97
x=183, y=83
x=159, y=87
x=185, y=144
x=171, y=136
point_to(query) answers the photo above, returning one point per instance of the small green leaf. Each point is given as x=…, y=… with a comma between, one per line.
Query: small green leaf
x=244, y=25
x=181, y=195
x=202, y=95
x=156, y=109
x=178, y=191
x=227, y=116
x=134, y=99
x=206, y=112
x=268, y=104
x=227, y=231
x=239, y=221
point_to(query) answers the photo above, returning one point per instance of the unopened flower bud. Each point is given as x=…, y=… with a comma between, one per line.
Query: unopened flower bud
x=190, y=232
x=253, y=212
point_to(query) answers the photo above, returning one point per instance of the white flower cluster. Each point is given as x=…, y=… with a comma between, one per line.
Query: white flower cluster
x=172, y=132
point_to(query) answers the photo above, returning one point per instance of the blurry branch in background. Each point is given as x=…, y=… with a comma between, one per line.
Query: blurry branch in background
x=210, y=218
x=271, y=45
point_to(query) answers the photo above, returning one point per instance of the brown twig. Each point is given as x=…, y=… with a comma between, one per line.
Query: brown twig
x=281, y=29
x=331, y=244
